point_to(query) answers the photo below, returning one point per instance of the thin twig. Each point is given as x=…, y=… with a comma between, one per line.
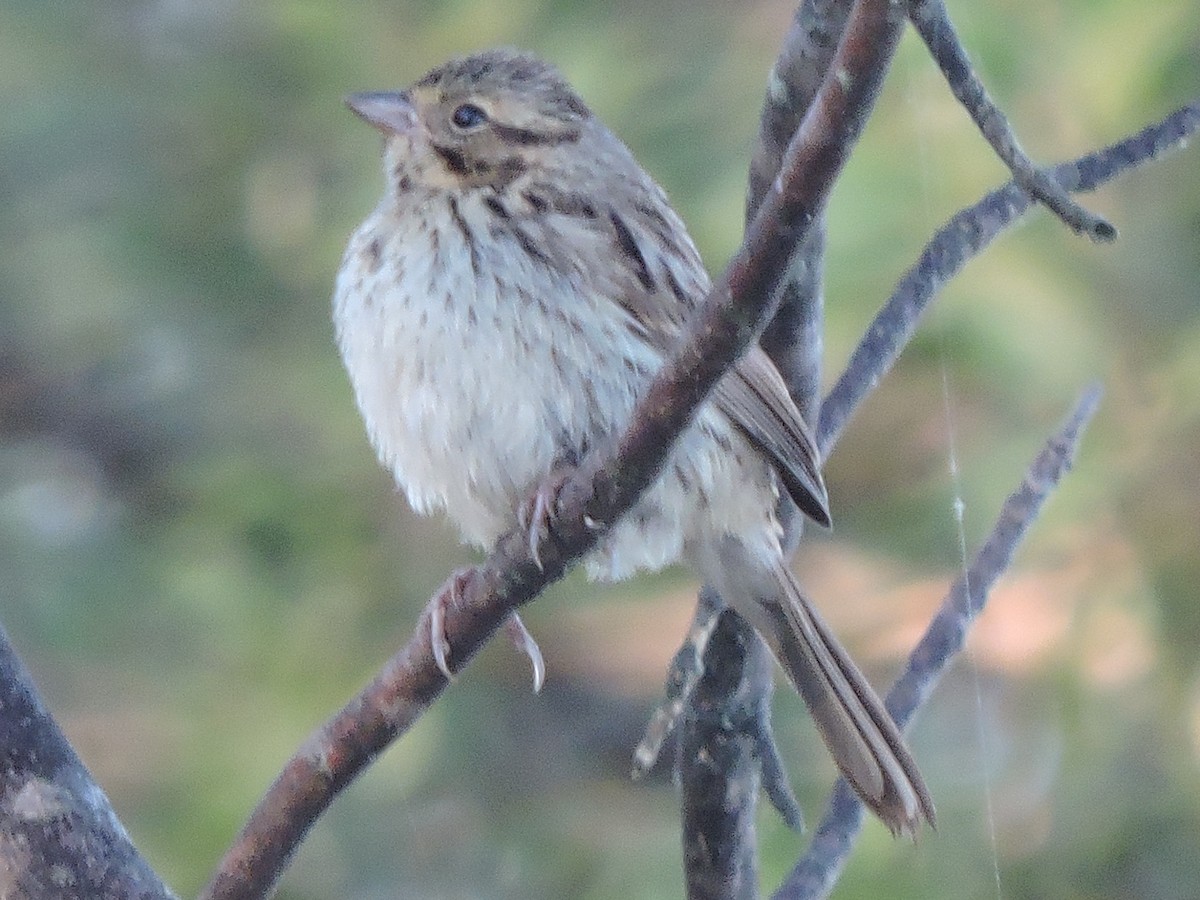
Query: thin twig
x=963, y=238
x=932, y=22
x=815, y=875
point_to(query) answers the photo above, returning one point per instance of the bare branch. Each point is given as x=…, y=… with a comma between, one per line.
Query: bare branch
x=719, y=787
x=932, y=22
x=683, y=674
x=795, y=336
x=59, y=836
x=815, y=875
x=965, y=236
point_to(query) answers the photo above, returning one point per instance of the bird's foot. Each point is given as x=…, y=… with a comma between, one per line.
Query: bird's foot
x=537, y=514
x=451, y=595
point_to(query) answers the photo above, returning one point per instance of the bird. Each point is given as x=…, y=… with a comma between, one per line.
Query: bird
x=499, y=314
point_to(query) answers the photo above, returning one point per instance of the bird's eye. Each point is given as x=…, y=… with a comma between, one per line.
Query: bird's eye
x=468, y=116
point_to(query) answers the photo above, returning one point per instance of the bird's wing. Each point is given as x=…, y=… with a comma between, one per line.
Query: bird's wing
x=753, y=395
x=659, y=286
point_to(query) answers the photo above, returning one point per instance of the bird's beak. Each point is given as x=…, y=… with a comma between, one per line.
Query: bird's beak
x=390, y=111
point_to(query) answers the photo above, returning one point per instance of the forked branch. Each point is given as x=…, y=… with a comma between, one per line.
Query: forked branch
x=933, y=23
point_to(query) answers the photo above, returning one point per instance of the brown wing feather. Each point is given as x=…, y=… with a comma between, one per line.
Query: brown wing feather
x=755, y=398
x=659, y=285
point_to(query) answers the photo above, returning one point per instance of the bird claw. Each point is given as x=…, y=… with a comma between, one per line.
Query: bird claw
x=536, y=515
x=437, y=620
x=513, y=627
x=523, y=641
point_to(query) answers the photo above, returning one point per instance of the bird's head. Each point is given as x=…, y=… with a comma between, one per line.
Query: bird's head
x=476, y=121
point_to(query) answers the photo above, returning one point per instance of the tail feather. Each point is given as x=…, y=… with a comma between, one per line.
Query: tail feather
x=861, y=735
x=859, y=731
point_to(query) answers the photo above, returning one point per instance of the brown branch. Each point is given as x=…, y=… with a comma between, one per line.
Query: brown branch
x=932, y=22
x=59, y=836
x=795, y=336
x=744, y=296
x=606, y=485
x=816, y=874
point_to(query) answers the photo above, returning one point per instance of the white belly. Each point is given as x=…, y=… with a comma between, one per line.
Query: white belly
x=472, y=392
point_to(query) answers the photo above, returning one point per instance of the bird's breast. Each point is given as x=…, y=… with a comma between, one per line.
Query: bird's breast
x=477, y=365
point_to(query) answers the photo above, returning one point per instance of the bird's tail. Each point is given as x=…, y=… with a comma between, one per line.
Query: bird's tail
x=859, y=732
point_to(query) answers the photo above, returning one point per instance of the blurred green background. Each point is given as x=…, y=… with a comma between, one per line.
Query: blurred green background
x=200, y=559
